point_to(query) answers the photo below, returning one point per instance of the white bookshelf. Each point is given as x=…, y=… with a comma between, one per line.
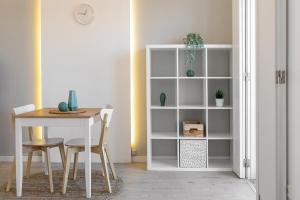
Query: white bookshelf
x=188, y=98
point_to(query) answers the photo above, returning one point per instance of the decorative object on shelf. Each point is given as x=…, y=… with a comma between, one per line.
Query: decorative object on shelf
x=219, y=98
x=84, y=14
x=162, y=98
x=72, y=103
x=193, y=41
x=190, y=73
x=63, y=107
x=193, y=154
x=193, y=129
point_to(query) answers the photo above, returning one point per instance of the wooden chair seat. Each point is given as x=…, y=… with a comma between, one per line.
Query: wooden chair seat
x=79, y=142
x=50, y=142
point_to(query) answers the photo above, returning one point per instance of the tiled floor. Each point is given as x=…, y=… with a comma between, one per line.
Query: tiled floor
x=140, y=184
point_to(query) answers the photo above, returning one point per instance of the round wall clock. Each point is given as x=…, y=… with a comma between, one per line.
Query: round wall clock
x=84, y=14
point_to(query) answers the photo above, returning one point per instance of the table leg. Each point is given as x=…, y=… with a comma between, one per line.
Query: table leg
x=45, y=135
x=19, y=158
x=87, y=133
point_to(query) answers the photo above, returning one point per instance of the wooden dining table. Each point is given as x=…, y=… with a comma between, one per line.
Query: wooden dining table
x=45, y=118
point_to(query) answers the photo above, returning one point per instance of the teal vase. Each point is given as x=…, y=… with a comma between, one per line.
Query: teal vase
x=72, y=103
x=163, y=99
x=63, y=107
x=190, y=73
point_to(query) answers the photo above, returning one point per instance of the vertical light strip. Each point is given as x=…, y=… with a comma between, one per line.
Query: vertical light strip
x=37, y=60
x=132, y=75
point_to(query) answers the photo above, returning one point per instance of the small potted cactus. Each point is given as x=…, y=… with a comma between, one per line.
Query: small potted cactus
x=219, y=98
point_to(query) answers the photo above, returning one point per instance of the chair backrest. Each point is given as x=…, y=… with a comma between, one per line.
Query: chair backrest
x=105, y=115
x=21, y=110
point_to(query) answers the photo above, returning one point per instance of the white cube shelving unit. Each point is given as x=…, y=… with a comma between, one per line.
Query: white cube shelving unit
x=188, y=98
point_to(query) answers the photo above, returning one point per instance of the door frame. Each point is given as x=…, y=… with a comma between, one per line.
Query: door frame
x=281, y=100
x=250, y=89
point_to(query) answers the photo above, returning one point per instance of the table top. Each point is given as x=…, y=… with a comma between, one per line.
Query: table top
x=44, y=113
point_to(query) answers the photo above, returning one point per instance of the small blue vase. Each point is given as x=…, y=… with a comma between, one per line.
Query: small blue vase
x=72, y=103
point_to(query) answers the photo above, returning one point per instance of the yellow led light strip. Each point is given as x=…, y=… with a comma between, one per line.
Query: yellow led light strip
x=132, y=75
x=37, y=60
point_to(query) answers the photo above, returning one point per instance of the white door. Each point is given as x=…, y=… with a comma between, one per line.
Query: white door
x=239, y=50
x=271, y=105
x=250, y=90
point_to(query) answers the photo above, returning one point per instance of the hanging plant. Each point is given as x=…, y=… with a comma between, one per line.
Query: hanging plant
x=193, y=41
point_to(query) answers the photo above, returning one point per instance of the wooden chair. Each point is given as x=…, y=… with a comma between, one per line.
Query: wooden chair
x=33, y=145
x=75, y=146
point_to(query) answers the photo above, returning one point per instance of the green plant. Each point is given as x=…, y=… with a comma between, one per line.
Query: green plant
x=192, y=41
x=219, y=94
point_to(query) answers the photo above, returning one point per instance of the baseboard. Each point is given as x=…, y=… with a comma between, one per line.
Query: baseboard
x=139, y=159
x=55, y=159
x=143, y=159
x=219, y=157
x=10, y=158
x=289, y=192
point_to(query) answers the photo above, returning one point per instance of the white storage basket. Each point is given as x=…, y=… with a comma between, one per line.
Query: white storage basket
x=193, y=153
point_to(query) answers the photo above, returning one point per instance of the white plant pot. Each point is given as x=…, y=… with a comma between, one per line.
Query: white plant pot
x=219, y=102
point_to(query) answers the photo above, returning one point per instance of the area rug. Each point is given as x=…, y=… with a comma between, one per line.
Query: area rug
x=37, y=187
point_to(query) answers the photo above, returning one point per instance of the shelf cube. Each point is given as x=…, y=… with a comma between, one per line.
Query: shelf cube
x=193, y=153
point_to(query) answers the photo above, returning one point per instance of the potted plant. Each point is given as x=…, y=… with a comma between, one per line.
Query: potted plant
x=193, y=41
x=219, y=98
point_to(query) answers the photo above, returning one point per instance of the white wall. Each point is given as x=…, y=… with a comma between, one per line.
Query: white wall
x=167, y=22
x=93, y=60
x=16, y=64
x=293, y=99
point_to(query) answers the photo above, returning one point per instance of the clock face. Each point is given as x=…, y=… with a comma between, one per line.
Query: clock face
x=84, y=14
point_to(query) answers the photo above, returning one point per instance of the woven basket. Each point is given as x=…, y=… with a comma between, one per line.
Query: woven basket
x=193, y=153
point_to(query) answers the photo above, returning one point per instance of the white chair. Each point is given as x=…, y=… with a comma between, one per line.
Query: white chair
x=33, y=145
x=75, y=146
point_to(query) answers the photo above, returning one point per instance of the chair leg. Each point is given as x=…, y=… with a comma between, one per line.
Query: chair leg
x=12, y=175
x=48, y=160
x=106, y=174
x=111, y=164
x=62, y=155
x=29, y=160
x=67, y=168
x=75, y=166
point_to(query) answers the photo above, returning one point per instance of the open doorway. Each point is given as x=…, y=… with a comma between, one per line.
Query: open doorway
x=244, y=60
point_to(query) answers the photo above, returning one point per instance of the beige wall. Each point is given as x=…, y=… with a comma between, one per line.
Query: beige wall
x=91, y=59
x=16, y=64
x=167, y=22
x=157, y=21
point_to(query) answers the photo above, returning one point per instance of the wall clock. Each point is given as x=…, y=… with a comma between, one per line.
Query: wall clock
x=84, y=14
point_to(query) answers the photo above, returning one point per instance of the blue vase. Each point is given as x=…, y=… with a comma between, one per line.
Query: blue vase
x=72, y=103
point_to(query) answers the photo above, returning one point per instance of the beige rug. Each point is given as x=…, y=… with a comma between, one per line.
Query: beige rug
x=37, y=187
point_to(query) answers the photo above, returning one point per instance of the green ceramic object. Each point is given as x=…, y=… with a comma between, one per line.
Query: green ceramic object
x=72, y=102
x=190, y=73
x=163, y=97
x=63, y=107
